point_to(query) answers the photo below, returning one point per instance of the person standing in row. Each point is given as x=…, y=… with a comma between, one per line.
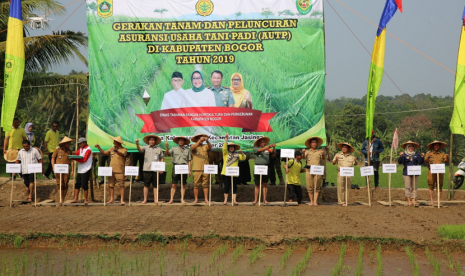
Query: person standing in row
x=231, y=159
x=275, y=168
x=199, y=159
x=313, y=157
x=410, y=158
x=52, y=137
x=30, y=133
x=60, y=156
x=13, y=141
x=28, y=155
x=294, y=168
x=83, y=169
x=324, y=157
x=344, y=159
x=117, y=163
x=435, y=156
x=223, y=96
x=152, y=153
x=376, y=147
x=181, y=155
x=262, y=152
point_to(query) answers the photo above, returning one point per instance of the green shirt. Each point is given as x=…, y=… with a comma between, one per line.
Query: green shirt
x=294, y=172
x=261, y=158
x=223, y=96
x=181, y=156
x=52, y=138
x=17, y=136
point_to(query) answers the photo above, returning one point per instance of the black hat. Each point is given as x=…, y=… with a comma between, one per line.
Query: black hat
x=298, y=153
x=176, y=75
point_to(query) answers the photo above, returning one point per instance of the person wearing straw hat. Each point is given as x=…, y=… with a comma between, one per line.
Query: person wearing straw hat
x=117, y=163
x=376, y=147
x=181, y=155
x=435, y=156
x=313, y=157
x=153, y=153
x=28, y=155
x=231, y=159
x=13, y=140
x=200, y=158
x=344, y=158
x=294, y=168
x=83, y=169
x=410, y=158
x=262, y=152
x=60, y=156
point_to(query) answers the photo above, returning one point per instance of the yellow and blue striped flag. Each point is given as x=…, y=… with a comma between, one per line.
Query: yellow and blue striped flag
x=14, y=64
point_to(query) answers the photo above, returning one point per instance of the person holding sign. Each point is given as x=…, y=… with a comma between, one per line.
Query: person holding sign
x=199, y=159
x=83, y=169
x=294, y=168
x=262, y=152
x=410, y=158
x=313, y=157
x=231, y=159
x=60, y=156
x=117, y=162
x=28, y=155
x=435, y=156
x=153, y=153
x=376, y=147
x=181, y=156
x=344, y=158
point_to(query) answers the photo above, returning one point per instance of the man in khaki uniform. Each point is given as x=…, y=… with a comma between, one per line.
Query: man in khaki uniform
x=117, y=163
x=313, y=157
x=60, y=156
x=199, y=159
x=344, y=159
x=435, y=156
x=325, y=157
x=182, y=155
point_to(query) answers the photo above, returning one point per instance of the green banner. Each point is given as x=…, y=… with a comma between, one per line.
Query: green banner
x=181, y=68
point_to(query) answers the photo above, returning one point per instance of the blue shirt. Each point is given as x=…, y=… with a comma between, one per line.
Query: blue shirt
x=377, y=146
x=406, y=160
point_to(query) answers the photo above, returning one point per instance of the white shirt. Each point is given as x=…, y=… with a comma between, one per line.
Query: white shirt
x=202, y=98
x=174, y=99
x=86, y=166
x=32, y=156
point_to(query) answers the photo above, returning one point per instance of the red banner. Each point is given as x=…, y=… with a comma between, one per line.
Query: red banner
x=163, y=121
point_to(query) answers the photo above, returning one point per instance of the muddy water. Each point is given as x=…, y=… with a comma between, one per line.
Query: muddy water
x=220, y=261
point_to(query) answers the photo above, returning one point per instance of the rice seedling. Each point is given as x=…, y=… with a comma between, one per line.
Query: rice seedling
x=220, y=251
x=302, y=264
x=286, y=255
x=18, y=241
x=379, y=270
x=450, y=262
x=269, y=271
x=237, y=253
x=359, y=269
x=257, y=253
x=413, y=262
x=434, y=262
x=452, y=231
x=337, y=269
x=458, y=269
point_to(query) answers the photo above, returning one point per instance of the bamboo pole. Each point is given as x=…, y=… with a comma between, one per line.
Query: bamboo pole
x=60, y=188
x=232, y=189
x=285, y=184
x=439, y=195
x=11, y=196
x=104, y=191
x=389, y=183
x=414, y=190
x=260, y=191
x=346, y=192
x=210, y=192
x=130, y=190
x=77, y=131
x=451, y=168
x=35, y=189
x=368, y=177
x=182, y=190
x=158, y=185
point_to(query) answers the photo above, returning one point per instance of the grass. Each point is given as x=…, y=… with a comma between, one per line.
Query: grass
x=413, y=261
x=337, y=269
x=456, y=232
x=359, y=269
x=379, y=270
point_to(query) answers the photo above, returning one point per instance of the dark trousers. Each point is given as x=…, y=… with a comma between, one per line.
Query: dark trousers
x=138, y=157
x=82, y=181
x=227, y=184
x=273, y=168
x=295, y=191
x=49, y=168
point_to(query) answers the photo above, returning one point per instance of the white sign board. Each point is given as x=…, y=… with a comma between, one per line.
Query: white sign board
x=61, y=168
x=210, y=169
x=13, y=168
x=366, y=171
x=389, y=168
x=414, y=170
x=287, y=153
x=437, y=168
x=131, y=170
x=232, y=171
x=34, y=168
x=105, y=171
x=346, y=171
x=158, y=166
x=181, y=169
x=263, y=170
x=317, y=170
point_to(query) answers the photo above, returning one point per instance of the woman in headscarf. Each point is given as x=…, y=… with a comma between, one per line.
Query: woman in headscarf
x=29, y=133
x=242, y=96
x=410, y=158
x=199, y=95
x=232, y=154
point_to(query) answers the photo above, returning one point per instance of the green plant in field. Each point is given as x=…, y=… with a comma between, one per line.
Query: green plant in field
x=220, y=251
x=450, y=262
x=337, y=269
x=237, y=253
x=257, y=253
x=413, y=262
x=359, y=270
x=302, y=264
x=269, y=271
x=286, y=255
x=434, y=262
x=379, y=270
x=452, y=231
x=18, y=241
x=458, y=268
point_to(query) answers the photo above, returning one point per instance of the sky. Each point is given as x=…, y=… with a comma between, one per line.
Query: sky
x=431, y=27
